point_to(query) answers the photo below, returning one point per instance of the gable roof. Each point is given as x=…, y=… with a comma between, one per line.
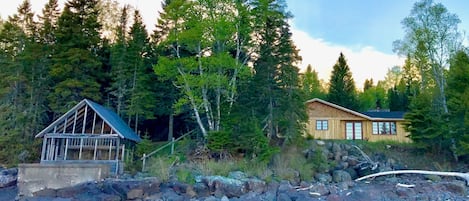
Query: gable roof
x=373, y=116
x=108, y=116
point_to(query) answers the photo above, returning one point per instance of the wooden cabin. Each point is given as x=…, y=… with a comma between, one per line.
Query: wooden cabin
x=331, y=121
x=87, y=133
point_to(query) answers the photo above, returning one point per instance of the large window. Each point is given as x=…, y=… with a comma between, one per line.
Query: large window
x=384, y=128
x=321, y=125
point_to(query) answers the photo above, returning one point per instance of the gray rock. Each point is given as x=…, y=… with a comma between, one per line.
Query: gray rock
x=320, y=188
x=201, y=189
x=283, y=197
x=323, y=177
x=434, y=178
x=255, y=185
x=353, y=174
x=211, y=198
x=7, y=180
x=226, y=186
x=134, y=194
x=237, y=175
x=458, y=187
x=341, y=176
x=172, y=196
x=224, y=198
x=320, y=142
x=284, y=187
x=336, y=148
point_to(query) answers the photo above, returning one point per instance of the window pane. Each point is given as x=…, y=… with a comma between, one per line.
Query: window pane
x=381, y=128
x=375, y=127
x=318, y=125
x=325, y=125
x=393, y=128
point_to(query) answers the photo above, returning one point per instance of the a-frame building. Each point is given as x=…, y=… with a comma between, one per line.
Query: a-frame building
x=87, y=133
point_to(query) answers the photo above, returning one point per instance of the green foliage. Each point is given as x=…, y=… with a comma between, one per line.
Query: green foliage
x=458, y=101
x=374, y=98
x=161, y=166
x=219, y=141
x=341, y=85
x=427, y=125
x=145, y=146
x=311, y=85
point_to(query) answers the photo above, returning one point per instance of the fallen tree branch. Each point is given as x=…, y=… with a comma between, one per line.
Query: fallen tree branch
x=373, y=165
x=465, y=176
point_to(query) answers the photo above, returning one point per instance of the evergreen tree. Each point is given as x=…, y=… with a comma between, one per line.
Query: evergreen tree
x=311, y=85
x=77, y=69
x=120, y=71
x=167, y=94
x=368, y=84
x=142, y=99
x=458, y=101
x=342, y=86
x=21, y=106
x=274, y=93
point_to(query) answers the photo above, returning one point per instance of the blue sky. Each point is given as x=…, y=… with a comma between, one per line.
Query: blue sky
x=359, y=23
x=362, y=29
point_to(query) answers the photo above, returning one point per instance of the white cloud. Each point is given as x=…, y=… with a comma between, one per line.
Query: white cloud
x=364, y=62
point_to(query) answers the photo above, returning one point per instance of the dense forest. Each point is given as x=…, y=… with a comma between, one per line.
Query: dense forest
x=226, y=68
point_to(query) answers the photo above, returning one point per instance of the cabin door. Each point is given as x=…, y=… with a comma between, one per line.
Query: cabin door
x=353, y=130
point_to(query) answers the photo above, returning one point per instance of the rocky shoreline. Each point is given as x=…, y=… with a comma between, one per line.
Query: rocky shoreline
x=235, y=188
x=334, y=183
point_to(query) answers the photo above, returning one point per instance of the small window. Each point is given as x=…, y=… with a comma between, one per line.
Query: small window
x=384, y=128
x=321, y=125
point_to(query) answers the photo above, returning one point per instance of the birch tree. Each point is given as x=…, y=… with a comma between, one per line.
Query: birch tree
x=431, y=38
x=202, y=62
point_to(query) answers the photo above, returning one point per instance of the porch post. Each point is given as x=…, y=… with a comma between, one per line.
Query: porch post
x=81, y=148
x=95, y=148
x=123, y=152
x=66, y=149
x=43, y=152
x=110, y=148
x=117, y=148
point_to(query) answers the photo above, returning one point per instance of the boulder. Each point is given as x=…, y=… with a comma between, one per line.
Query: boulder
x=201, y=189
x=136, y=193
x=320, y=188
x=8, y=177
x=323, y=177
x=353, y=174
x=457, y=187
x=226, y=186
x=341, y=176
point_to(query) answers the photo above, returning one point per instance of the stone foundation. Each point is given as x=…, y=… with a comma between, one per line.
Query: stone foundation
x=36, y=177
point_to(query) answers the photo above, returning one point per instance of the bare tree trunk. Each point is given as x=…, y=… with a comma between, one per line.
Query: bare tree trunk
x=170, y=126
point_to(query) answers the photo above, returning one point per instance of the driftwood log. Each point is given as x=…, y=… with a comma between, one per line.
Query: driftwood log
x=465, y=176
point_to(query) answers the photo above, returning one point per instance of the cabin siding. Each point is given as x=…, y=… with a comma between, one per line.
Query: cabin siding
x=337, y=119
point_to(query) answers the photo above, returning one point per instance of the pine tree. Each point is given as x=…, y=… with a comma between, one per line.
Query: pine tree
x=77, y=68
x=342, y=86
x=120, y=72
x=458, y=101
x=142, y=99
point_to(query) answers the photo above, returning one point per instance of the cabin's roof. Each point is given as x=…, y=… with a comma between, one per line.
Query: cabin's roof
x=108, y=116
x=373, y=116
x=385, y=114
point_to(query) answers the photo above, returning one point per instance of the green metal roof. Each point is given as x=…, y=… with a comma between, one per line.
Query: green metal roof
x=108, y=116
